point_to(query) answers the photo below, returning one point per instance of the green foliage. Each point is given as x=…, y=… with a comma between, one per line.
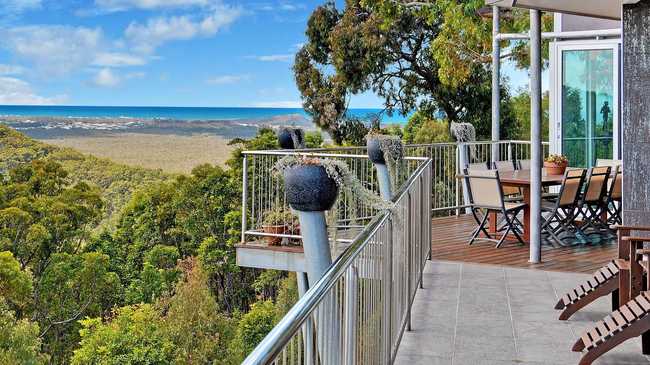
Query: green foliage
x=313, y=140
x=252, y=328
x=116, y=182
x=520, y=105
x=73, y=286
x=422, y=128
x=19, y=341
x=133, y=336
x=15, y=284
x=183, y=328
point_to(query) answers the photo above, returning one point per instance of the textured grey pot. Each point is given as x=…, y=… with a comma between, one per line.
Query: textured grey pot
x=375, y=153
x=286, y=142
x=309, y=189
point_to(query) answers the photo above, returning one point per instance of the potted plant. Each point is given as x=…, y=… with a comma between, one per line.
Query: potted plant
x=556, y=164
x=291, y=138
x=313, y=184
x=386, y=150
x=277, y=222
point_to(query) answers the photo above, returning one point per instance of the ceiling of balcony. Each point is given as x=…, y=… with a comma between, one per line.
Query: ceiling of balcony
x=609, y=9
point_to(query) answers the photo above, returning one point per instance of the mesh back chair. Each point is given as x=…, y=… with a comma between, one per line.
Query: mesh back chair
x=615, y=196
x=485, y=196
x=592, y=205
x=511, y=193
x=523, y=164
x=608, y=162
x=561, y=211
x=479, y=166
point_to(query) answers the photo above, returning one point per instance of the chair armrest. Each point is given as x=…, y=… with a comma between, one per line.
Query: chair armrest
x=635, y=239
x=631, y=228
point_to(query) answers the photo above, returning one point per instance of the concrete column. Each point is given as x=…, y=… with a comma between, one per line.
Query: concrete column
x=535, y=136
x=636, y=114
x=496, y=91
x=383, y=177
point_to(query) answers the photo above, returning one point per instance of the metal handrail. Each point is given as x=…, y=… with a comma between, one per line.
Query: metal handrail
x=283, y=332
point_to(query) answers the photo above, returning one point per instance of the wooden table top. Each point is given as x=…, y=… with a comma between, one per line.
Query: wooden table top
x=522, y=178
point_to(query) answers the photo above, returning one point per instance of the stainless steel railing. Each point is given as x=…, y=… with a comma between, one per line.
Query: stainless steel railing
x=264, y=193
x=358, y=311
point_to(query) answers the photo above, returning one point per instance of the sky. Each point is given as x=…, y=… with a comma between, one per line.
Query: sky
x=156, y=52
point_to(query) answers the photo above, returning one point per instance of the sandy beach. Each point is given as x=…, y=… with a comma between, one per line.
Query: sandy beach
x=169, y=152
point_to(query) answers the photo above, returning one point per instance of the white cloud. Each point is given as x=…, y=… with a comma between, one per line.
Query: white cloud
x=146, y=37
x=18, y=6
x=118, y=60
x=275, y=58
x=227, y=79
x=121, y=5
x=14, y=91
x=106, y=77
x=11, y=69
x=54, y=49
x=278, y=104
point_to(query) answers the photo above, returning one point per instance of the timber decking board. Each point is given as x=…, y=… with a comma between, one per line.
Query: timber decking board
x=450, y=236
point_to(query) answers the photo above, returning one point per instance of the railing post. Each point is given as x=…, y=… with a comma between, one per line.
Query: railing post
x=244, y=199
x=409, y=260
x=456, y=180
x=351, y=307
x=387, y=267
x=510, y=151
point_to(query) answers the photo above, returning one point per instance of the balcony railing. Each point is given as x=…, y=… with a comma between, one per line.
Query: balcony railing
x=263, y=192
x=359, y=309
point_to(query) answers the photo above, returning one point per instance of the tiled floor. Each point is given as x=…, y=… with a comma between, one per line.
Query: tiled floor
x=470, y=314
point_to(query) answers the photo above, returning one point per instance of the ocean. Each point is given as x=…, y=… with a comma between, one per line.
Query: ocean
x=59, y=121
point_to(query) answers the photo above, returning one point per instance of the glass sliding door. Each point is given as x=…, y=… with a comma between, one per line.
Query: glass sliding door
x=588, y=105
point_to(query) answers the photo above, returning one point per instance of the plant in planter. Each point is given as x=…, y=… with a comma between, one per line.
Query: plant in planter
x=291, y=138
x=277, y=221
x=386, y=150
x=556, y=164
x=312, y=184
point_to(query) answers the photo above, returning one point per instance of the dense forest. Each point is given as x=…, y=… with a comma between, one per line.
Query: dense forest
x=88, y=279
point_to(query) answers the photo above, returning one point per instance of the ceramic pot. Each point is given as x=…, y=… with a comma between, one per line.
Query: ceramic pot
x=375, y=154
x=273, y=240
x=309, y=189
x=286, y=142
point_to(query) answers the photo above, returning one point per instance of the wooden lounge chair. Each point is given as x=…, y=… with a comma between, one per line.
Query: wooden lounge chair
x=485, y=196
x=632, y=319
x=606, y=280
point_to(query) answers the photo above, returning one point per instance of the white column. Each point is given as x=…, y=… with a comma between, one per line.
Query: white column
x=535, y=136
x=496, y=91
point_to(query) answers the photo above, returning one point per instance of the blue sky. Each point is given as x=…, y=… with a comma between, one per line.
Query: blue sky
x=154, y=52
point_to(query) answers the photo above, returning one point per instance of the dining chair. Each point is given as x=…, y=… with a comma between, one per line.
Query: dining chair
x=486, y=196
x=562, y=211
x=523, y=164
x=592, y=205
x=479, y=166
x=614, y=197
x=510, y=193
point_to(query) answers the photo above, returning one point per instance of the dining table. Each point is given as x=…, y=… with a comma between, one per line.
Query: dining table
x=521, y=179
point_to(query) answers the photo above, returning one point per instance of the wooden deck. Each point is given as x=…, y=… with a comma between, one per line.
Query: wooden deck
x=451, y=234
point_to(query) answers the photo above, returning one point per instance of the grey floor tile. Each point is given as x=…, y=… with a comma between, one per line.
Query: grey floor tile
x=421, y=360
x=425, y=344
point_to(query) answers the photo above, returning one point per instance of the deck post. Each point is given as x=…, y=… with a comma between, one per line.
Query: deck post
x=535, y=136
x=318, y=259
x=383, y=176
x=496, y=91
x=387, y=294
x=244, y=198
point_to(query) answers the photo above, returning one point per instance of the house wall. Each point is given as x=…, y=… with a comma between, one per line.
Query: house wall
x=636, y=114
x=569, y=23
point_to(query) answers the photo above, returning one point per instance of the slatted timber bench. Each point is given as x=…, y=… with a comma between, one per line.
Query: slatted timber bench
x=603, y=282
x=632, y=319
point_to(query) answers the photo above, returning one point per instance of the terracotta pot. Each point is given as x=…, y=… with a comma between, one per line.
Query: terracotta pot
x=554, y=168
x=309, y=188
x=273, y=240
